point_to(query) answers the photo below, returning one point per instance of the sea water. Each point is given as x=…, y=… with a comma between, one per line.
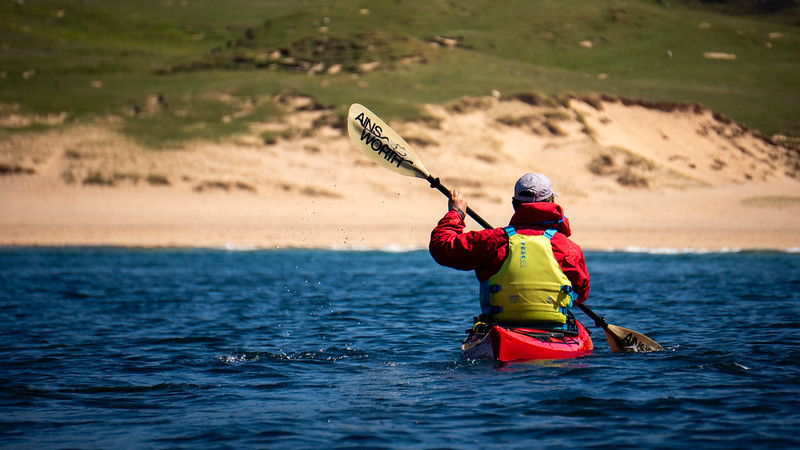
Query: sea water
x=191, y=348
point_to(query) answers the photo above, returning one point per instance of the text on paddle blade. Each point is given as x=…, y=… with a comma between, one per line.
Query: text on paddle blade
x=392, y=152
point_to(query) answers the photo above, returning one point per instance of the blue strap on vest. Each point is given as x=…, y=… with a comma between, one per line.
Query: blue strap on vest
x=571, y=292
x=549, y=233
x=487, y=290
x=486, y=293
x=565, y=289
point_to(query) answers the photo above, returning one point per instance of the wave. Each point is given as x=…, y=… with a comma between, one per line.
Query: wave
x=338, y=248
x=238, y=248
x=693, y=251
x=382, y=249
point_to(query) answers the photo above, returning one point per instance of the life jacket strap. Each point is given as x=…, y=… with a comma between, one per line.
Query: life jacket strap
x=486, y=292
x=572, y=297
x=492, y=310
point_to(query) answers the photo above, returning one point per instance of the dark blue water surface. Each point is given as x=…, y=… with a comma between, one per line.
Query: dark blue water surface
x=106, y=347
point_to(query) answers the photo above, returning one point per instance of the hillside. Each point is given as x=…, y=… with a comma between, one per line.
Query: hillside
x=91, y=59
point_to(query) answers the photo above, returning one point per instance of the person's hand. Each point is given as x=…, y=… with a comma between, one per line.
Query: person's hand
x=457, y=202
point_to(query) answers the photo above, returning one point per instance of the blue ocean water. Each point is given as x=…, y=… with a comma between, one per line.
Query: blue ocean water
x=189, y=348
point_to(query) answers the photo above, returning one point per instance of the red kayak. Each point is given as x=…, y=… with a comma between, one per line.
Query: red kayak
x=501, y=343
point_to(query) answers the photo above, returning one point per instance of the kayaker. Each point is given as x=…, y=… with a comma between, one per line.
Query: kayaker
x=530, y=271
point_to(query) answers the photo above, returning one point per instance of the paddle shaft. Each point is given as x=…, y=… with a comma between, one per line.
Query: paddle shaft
x=436, y=184
x=599, y=321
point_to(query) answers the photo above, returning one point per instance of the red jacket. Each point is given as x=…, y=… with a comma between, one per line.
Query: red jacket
x=484, y=251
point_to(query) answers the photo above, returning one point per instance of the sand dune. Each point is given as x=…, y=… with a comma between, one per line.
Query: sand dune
x=629, y=174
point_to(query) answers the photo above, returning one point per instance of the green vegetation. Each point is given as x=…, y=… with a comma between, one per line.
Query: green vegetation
x=175, y=70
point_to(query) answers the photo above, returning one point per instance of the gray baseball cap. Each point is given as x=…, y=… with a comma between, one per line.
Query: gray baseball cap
x=533, y=187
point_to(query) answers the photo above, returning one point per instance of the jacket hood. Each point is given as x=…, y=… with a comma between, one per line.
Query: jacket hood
x=541, y=216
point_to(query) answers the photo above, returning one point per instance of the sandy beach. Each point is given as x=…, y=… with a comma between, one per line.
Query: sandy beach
x=630, y=176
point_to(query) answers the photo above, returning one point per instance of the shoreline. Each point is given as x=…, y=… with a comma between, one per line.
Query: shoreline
x=233, y=248
x=167, y=218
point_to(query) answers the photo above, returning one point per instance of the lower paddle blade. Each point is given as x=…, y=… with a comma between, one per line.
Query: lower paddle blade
x=374, y=138
x=623, y=340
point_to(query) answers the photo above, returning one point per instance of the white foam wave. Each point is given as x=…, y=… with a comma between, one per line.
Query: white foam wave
x=692, y=251
x=386, y=249
x=678, y=251
x=238, y=248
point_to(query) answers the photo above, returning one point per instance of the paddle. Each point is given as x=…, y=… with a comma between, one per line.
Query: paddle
x=384, y=146
x=622, y=340
x=373, y=137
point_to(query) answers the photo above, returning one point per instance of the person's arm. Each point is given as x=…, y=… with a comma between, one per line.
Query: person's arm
x=573, y=264
x=451, y=247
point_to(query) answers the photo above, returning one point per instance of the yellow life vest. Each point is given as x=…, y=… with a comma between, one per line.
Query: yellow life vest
x=530, y=286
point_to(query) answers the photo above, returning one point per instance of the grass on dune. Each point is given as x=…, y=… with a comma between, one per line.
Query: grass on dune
x=205, y=59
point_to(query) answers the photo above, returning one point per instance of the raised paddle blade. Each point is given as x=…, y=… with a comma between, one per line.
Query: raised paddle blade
x=623, y=340
x=374, y=138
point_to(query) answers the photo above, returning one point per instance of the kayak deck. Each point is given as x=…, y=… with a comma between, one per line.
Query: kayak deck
x=519, y=343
